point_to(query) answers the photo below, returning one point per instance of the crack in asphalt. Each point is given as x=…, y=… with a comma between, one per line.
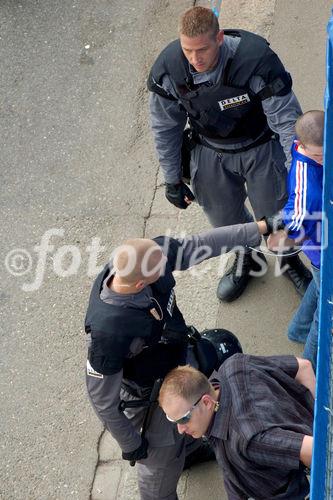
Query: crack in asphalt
x=147, y=217
x=133, y=142
x=98, y=462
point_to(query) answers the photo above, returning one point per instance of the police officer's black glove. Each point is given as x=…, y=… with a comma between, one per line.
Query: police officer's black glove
x=193, y=334
x=175, y=337
x=175, y=194
x=274, y=223
x=137, y=454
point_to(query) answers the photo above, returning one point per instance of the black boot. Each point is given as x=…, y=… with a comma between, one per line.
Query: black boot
x=234, y=282
x=204, y=453
x=297, y=272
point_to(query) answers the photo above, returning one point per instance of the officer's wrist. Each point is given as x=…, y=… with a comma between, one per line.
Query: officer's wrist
x=173, y=184
x=135, y=446
x=262, y=226
x=273, y=223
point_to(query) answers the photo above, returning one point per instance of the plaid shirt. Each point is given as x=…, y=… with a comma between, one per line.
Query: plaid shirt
x=258, y=429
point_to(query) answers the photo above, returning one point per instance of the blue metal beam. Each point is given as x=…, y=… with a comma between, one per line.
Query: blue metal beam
x=216, y=6
x=321, y=470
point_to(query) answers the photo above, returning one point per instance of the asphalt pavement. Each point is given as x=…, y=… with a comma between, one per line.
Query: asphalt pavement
x=78, y=175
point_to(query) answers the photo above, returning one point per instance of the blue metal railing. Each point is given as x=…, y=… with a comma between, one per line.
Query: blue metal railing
x=322, y=461
x=216, y=6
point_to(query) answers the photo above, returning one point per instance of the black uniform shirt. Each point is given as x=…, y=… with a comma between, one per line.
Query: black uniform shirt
x=258, y=429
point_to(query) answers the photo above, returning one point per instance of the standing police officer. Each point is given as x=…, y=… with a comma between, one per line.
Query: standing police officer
x=235, y=94
x=136, y=335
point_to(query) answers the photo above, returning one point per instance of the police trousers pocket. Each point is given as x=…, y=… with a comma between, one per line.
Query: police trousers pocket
x=280, y=181
x=161, y=438
x=187, y=145
x=280, y=171
x=160, y=431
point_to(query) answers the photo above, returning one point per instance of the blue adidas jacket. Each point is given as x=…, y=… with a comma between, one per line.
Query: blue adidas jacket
x=303, y=210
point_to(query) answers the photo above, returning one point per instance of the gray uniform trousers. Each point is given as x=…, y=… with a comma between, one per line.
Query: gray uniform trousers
x=222, y=181
x=159, y=473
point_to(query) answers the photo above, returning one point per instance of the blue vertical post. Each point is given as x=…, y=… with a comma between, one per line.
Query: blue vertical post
x=321, y=470
x=216, y=6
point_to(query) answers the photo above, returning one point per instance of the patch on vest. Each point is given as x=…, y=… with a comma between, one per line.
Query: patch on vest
x=91, y=372
x=233, y=102
x=171, y=302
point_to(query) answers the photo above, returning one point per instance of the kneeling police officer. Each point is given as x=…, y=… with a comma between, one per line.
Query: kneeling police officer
x=137, y=334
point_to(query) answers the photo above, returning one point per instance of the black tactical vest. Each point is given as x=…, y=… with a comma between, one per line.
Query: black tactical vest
x=227, y=111
x=113, y=328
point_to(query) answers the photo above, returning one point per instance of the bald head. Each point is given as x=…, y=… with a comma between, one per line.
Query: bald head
x=138, y=259
x=310, y=128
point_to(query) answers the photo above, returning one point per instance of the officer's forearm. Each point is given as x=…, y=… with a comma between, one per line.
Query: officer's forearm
x=127, y=438
x=262, y=227
x=167, y=124
x=104, y=394
x=203, y=246
x=282, y=113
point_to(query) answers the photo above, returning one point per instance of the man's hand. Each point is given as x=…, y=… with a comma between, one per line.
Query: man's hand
x=277, y=241
x=280, y=242
x=273, y=223
x=179, y=194
x=305, y=375
x=137, y=454
x=306, y=451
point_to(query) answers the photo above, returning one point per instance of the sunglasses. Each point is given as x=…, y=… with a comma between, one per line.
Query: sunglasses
x=187, y=417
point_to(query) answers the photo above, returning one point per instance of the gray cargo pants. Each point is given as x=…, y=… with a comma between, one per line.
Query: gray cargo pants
x=222, y=181
x=159, y=473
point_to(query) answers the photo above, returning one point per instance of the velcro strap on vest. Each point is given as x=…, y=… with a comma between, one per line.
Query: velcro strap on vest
x=153, y=86
x=280, y=86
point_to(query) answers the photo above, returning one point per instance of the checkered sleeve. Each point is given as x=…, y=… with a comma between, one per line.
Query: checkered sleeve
x=276, y=447
x=287, y=363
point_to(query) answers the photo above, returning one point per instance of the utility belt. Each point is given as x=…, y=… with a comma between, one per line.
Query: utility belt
x=147, y=397
x=191, y=139
x=266, y=137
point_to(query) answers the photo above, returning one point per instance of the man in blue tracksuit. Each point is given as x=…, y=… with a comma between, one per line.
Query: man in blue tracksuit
x=302, y=216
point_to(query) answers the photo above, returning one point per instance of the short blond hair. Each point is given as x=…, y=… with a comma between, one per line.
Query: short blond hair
x=185, y=382
x=198, y=21
x=309, y=128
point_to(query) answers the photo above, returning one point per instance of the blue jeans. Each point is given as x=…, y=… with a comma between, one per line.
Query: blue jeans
x=304, y=325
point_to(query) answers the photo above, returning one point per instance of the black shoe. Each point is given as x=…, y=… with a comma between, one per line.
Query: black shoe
x=234, y=282
x=204, y=453
x=297, y=272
